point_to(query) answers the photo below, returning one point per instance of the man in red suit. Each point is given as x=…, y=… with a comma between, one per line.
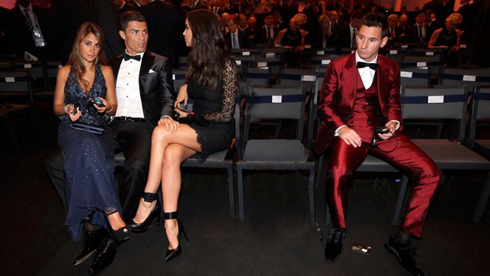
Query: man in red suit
x=356, y=100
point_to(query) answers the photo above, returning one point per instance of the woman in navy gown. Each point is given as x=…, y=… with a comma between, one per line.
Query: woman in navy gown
x=90, y=185
x=211, y=80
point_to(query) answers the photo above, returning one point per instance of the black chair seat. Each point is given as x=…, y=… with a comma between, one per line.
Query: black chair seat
x=449, y=155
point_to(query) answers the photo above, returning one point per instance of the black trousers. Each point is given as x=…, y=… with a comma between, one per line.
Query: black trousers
x=132, y=138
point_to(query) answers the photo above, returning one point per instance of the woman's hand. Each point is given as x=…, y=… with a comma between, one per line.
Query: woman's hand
x=106, y=107
x=182, y=97
x=182, y=113
x=74, y=114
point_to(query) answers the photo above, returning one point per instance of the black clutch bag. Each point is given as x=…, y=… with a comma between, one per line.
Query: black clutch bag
x=94, y=129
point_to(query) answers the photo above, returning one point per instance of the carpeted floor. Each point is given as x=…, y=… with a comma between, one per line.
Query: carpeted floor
x=275, y=238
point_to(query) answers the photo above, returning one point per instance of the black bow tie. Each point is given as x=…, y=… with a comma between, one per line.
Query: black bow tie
x=370, y=65
x=128, y=57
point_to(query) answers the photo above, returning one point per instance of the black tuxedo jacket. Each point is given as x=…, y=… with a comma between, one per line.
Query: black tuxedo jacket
x=20, y=35
x=156, y=87
x=261, y=36
x=344, y=37
x=242, y=39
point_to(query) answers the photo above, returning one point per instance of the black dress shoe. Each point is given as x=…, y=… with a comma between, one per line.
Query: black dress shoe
x=104, y=256
x=333, y=247
x=91, y=242
x=404, y=254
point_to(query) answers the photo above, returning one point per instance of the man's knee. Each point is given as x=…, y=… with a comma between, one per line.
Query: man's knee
x=55, y=162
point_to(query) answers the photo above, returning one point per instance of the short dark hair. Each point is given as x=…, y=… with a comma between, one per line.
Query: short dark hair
x=376, y=19
x=131, y=16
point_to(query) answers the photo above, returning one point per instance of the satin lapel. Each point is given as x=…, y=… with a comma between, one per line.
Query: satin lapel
x=147, y=62
x=383, y=83
x=349, y=82
x=116, y=64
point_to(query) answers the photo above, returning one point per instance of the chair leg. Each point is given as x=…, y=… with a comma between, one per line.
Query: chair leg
x=12, y=135
x=401, y=201
x=231, y=191
x=485, y=195
x=241, y=212
x=319, y=170
x=311, y=192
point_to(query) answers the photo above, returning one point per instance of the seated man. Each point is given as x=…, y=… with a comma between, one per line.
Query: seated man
x=235, y=38
x=358, y=99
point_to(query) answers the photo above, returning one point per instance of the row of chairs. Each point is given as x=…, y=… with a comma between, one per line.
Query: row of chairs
x=267, y=98
x=287, y=104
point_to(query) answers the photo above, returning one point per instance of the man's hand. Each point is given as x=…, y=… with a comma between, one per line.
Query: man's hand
x=350, y=137
x=392, y=127
x=169, y=124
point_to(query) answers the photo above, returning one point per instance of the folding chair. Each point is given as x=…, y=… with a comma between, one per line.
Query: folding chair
x=434, y=63
x=266, y=103
x=480, y=111
x=178, y=78
x=470, y=77
x=16, y=99
x=446, y=102
x=37, y=71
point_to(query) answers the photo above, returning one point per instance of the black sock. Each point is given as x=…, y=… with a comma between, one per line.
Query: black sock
x=402, y=237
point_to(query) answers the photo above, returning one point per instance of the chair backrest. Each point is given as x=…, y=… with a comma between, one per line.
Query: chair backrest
x=183, y=62
x=434, y=63
x=414, y=76
x=480, y=110
x=435, y=103
x=426, y=51
x=273, y=52
x=466, y=76
x=16, y=87
x=256, y=76
x=322, y=60
x=5, y=65
x=36, y=68
x=292, y=77
x=276, y=102
x=52, y=68
x=274, y=64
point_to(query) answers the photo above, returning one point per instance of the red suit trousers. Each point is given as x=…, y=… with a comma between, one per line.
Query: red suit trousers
x=343, y=160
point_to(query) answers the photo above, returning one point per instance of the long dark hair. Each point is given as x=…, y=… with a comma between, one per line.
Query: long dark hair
x=208, y=49
x=76, y=60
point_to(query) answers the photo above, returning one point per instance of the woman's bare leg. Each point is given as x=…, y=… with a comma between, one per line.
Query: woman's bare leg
x=160, y=140
x=171, y=185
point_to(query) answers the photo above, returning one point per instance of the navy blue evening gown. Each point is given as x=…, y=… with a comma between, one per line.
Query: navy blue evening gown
x=90, y=185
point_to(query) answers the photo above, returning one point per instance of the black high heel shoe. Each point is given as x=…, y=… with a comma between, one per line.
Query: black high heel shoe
x=143, y=226
x=174, y=253
x=120, y=235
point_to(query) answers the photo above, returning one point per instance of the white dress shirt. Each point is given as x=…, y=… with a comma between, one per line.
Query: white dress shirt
x=128, y=89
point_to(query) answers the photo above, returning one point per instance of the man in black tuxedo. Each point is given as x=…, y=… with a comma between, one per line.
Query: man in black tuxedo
x=347, y=35
x=145, y=97
x=268, y=32
x=235, y=38
x=27, y=29
x=162, y=26
x=420, y=29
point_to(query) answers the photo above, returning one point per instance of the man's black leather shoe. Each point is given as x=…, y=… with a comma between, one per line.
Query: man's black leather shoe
x=91, y=242
x=404, y=254
x=104, y=256
x=333, y=247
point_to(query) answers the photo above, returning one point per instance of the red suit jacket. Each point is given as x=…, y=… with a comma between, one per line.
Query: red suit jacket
x=339, y=92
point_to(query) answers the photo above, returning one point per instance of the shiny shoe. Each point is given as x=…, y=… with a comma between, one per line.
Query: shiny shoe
x=143, y=226
x=404, y=253
x=174, y=253
x=104, y=256
x=333, y=247
x=91, y=242
x=120, y=235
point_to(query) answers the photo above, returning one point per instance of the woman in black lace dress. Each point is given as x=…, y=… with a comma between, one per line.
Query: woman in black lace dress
x=212, y=83
x=84, y=94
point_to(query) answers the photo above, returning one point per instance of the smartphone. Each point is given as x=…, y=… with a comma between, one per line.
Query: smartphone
x=76, y=107
x=97, y=101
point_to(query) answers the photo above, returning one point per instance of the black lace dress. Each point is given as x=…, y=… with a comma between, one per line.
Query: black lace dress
x=217, y=107
x=90, y=185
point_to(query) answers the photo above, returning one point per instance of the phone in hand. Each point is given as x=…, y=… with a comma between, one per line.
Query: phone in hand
x=97, y=101
x=76, y=107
